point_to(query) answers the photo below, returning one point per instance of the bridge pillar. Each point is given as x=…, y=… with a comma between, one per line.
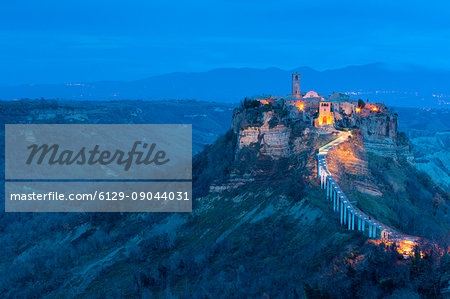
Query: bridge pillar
x=362, y=225
x=330, y=190
x=320, y=176
x=353, y=221
x=336, y=199
x=321, y=180
x=333, y=197
x=349, y=221
x=370, y=231
x=342, y=211
x=345, y=214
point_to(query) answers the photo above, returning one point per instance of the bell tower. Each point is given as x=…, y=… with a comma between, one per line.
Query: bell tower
x=296, y=85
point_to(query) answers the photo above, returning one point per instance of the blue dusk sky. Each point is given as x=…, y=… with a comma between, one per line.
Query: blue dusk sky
x=62, y=41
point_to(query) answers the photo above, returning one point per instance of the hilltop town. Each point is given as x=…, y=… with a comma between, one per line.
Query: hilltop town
x=272, y=121
x=335, y=110
x=290, y=129
x=332, y=138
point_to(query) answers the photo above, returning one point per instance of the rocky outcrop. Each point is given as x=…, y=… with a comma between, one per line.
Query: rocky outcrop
x=381, y=137
x=266, y=133
x=273, y=142
x=432, y=155
x=349, y=166
x=271, y=137
x=378, y=126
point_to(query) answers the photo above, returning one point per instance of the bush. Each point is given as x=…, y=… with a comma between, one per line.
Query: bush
x=361, y=103
x=402, y=139
x=213, y=163
x=249, y=103
x=273, y=122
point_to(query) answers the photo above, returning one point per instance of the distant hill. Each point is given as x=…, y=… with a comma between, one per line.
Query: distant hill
x=400, y=86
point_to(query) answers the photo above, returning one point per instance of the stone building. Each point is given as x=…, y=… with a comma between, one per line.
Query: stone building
x=326, y=116
x=312, y=107
x=296, y=85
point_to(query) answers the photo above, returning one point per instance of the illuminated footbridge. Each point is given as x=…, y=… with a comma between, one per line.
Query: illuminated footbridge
x=350, y=216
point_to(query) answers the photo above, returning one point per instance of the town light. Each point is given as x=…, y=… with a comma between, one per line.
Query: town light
x=375, y=109
x=358, y=109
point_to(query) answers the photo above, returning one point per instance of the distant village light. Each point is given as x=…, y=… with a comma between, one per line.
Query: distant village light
x=358, y=109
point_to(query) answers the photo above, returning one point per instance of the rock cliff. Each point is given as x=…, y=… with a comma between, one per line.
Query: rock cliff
x=381, y=137
x=349, y=166
x=274, y=142
x=266, y=133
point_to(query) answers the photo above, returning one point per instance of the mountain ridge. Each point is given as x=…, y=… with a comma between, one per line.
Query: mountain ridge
x=407, y=86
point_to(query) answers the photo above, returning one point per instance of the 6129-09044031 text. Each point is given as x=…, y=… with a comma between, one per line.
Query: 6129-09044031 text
x=103, y=195
x=98, y=168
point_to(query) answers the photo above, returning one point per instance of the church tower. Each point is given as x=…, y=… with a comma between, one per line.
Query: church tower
x=296, y=85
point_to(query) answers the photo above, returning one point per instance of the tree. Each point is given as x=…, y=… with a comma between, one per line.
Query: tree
x=361, y=103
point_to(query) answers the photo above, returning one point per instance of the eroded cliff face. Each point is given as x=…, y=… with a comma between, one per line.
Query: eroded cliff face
x=381, y=137
x=273, y=142
x=267, y=138
x=268, y=145
x=273, y=138
x=378, y=127
x=349, y=166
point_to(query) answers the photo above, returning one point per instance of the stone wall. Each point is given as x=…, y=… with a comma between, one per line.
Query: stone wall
x=274, y=142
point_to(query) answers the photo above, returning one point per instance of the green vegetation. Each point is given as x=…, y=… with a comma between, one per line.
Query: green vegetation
x=361, y=103
x=406, y=194
x=273, y=122
x=276, y=236
x=249, y=103
x=213, y=164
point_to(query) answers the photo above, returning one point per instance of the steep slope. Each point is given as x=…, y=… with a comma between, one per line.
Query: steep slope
x=272, y=236
x=275, y=238
x=349, y=166
x=428, y=131
x=392, y=190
